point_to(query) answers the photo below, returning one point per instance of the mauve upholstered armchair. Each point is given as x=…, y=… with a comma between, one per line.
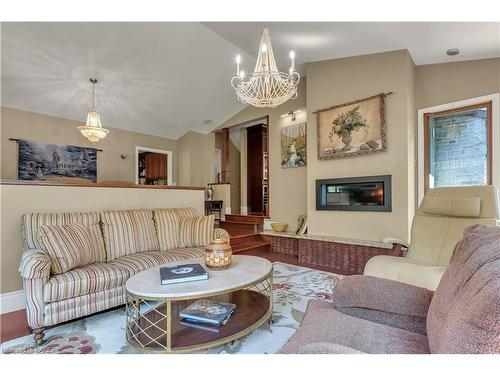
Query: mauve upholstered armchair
x=375, y=315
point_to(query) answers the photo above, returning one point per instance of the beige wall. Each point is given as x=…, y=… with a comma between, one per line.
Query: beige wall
x=20, y=199
x=287, y=186
x=448, y=82
x=48, y=129
x=196, y=160
x=334, y=82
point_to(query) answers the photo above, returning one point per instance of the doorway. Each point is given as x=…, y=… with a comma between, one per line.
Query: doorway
x=249, y=180
x=153, y=166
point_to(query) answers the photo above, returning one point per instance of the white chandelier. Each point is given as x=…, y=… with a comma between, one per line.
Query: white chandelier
x=93, y=129
x=266, y=86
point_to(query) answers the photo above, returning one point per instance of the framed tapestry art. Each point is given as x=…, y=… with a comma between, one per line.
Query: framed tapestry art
x=294, y=146
x=353, y=128
x=49, y=162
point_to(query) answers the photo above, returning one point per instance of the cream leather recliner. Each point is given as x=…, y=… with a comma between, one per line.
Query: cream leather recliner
x=437, y=227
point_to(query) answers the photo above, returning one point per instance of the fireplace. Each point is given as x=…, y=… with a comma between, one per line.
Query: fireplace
x=371, y=193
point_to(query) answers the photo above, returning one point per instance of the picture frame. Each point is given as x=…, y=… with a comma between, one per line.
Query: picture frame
x=352, y=129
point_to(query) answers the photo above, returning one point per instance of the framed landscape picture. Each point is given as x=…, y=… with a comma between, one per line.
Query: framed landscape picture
x=351, y=129
x=294, y=146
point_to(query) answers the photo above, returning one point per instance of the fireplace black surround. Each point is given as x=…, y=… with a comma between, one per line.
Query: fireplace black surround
x=370, y=193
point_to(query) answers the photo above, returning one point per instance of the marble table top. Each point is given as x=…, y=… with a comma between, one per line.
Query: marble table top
x=243, y=271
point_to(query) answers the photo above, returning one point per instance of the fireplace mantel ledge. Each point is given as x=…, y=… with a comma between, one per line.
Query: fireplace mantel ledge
x=348, y=241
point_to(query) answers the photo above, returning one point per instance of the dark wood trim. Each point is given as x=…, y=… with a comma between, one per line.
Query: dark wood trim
x=489, y=129
x=116, y=184
x=226, y=173
x=262, y=118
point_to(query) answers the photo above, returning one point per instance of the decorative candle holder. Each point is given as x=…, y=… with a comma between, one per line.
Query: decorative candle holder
x=218, y=254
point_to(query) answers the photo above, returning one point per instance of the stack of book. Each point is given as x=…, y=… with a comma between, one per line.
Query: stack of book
x=207, y=315
x=182, y=273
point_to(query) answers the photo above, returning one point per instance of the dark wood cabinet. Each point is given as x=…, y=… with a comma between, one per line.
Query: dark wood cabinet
x=257, y=169
x=153, y=167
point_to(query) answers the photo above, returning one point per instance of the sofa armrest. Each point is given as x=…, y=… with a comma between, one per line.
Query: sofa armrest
x=379, y=294
x=221, y=234
x=35, y=271
x=35, y=264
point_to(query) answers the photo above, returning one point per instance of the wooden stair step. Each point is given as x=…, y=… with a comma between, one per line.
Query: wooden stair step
x=256, y=246
x=244, y=218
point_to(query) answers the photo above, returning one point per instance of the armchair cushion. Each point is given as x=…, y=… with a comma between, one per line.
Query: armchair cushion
x=458, y=207
x=35, y=264
x=464, y=316
x=405, y=270
x=383, y=301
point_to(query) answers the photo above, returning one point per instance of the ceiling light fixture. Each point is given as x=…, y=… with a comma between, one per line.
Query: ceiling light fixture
x=93, y=129
x=266, y=86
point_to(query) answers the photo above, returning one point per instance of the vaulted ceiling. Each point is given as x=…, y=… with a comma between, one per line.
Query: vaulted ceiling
x=168, y=78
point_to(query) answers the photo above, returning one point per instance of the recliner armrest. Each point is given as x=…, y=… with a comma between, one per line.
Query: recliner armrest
x=35, y=264
x=379, y=294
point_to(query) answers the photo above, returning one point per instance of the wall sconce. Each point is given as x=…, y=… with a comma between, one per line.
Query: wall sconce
x=124, y=156
x=291, y=113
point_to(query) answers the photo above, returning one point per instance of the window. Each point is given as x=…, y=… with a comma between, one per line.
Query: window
x=457, y=146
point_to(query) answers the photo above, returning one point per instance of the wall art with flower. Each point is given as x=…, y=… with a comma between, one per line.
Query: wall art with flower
x=353, y=128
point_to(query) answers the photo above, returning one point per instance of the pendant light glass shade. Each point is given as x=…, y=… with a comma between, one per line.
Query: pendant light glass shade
x=93, y=129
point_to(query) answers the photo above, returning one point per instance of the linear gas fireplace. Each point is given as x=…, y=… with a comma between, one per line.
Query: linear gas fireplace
x=371, y=193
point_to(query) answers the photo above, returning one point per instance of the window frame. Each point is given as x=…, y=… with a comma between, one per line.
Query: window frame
x=489, y=137
x=419, y=143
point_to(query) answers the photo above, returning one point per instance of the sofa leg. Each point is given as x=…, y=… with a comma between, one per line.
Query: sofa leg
x=39, y=333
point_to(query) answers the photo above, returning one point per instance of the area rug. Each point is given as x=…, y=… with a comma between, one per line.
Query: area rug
x=104, y=333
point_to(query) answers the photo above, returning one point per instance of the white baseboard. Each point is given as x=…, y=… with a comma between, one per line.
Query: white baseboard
x=11, y=301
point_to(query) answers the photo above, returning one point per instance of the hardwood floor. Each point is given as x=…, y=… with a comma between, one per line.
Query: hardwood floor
x=14, y=324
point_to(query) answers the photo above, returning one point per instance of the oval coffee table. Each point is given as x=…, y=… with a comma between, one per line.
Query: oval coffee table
x=153, y=309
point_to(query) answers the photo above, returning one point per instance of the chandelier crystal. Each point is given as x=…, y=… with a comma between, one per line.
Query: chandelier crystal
x=266, y=86
x=93, y=129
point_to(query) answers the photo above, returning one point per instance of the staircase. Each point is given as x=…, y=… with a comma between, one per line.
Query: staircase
x=244, y=232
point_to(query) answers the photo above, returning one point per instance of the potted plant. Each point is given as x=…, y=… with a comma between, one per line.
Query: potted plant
x=345, y=124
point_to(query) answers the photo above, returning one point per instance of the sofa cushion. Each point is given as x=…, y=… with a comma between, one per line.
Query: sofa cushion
x=185, y=211
x=464, y=315
x=70, y=246
x=167, y=228
x=81, y=281
x=30, y=223
x=196, y=231
x=128, y=232
x=324, y=324
x=138, y=262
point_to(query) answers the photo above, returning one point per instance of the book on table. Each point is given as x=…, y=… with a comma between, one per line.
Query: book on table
x=182, y=273
x=193, y=323
x=207, y=312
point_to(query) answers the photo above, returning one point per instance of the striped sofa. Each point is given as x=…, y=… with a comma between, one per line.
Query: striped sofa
x=117, y=245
